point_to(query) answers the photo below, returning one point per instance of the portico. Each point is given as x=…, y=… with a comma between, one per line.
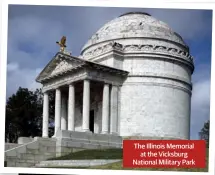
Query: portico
x=78, y=84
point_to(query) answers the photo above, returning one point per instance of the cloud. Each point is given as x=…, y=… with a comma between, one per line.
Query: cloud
x=21, y=77
x=29, y=40
x=200, y=101
x=29, y=50
x=180, y=20
x=200, y=106
x=12, y=67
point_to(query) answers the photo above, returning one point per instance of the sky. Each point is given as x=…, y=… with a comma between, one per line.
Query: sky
x=34, y=30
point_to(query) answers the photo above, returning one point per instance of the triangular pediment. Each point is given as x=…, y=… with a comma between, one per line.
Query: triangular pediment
x=60, y=64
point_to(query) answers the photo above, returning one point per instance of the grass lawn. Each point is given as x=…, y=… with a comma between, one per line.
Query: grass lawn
x=117, y=154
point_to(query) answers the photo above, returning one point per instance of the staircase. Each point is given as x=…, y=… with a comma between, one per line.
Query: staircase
x=30, y=154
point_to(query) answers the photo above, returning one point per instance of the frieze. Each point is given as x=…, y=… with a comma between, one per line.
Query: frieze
x=147, y=48
x=62, y=81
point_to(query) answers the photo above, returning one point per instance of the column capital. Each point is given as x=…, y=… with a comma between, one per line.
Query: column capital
x=45, y=91
x=71, y=84
x=106, y=83
x=86, y=79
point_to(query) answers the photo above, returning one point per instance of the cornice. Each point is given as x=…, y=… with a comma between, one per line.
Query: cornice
x=144, y=48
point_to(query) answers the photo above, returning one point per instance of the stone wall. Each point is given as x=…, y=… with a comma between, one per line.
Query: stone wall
x=154, y=111
x=70, y=141
x=8, y=146
x=29, y=154
x=155, y=99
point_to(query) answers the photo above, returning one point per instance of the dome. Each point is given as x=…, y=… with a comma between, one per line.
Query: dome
x=134, y=25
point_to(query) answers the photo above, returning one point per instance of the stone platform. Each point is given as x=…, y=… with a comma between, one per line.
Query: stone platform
x=70, y=141
x=75, y=163
x=31, y=151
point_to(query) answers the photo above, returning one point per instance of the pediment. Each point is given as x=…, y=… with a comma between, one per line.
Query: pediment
x=62, y=66
x=59, y=65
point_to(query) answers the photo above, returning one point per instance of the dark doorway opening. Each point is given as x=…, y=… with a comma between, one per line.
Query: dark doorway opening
x=92, y=121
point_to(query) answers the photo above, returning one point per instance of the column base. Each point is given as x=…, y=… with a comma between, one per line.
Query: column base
x=104, y=132
x=114, y=133
x=45, y=136
x=86, y=130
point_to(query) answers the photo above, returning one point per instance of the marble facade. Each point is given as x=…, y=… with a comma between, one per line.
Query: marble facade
x=95, y=95
x=133, y=79
x=134, y=73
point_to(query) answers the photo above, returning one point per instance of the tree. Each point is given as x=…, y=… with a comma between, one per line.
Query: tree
x=24, y=114
x=204, y=133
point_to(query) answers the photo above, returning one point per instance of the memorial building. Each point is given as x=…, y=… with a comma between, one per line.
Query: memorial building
x=132, y=79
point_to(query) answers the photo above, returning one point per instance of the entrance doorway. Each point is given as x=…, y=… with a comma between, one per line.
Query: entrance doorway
x=92, y=121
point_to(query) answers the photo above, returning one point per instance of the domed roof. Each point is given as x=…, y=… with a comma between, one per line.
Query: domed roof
x=133, y=25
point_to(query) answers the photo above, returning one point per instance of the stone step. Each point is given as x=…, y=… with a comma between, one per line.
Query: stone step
x=37, y=157
x=34, y=145
x=47, y=143
x=21, y=163
x=24, y=164
x=28, y=161
x=27, y=156
x=32, y=151
x=87, y=145
x=76, y=163
x=11, y=158
x=51, y=149
x=11, y=164
x=11, y=153
x=48, y=149
x=42, y=150
x=25, y=161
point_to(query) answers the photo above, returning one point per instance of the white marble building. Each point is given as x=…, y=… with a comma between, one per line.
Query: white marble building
x=132, y=78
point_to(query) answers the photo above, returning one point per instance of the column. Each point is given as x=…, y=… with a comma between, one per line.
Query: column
x=105, y=109
x=45, y=115
x=86, y=106
x=114, y=110
x=64, y=112
x=71, y=108
x=57, y=110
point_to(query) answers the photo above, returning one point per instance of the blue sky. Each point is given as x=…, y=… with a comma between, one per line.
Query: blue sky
x=33, y=31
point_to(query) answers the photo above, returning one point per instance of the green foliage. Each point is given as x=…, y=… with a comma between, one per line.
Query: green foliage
x=24, y=114
x=204, y=133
